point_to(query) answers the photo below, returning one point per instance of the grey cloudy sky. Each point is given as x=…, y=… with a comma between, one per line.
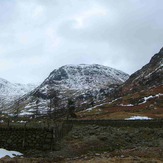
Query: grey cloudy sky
x=37, y=36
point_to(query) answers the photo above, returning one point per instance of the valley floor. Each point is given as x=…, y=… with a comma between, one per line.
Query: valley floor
x=102, y=144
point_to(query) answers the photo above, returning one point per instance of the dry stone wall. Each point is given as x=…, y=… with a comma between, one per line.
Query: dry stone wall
x=31, y=138
x=157, y=123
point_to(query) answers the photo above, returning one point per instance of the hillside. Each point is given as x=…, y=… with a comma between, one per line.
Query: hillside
x=140, y=95
x=149, y=76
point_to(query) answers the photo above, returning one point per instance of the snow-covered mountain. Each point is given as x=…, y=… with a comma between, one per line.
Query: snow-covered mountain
x=83, y=77
x=82, y=83
x=12, y=91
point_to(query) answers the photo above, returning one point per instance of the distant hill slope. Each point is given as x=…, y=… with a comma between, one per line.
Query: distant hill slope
x=12, y=91
x=82, y=83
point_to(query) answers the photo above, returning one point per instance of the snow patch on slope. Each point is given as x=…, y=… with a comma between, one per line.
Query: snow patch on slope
x=145, y=99
x=138, y=118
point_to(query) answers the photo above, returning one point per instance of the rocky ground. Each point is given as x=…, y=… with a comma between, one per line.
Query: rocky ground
x=137, y=155
x=97, y=158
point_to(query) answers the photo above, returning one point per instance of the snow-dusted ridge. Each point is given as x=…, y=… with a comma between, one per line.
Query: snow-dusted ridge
x=12, y=91
x=7, y=88
x=86, y=76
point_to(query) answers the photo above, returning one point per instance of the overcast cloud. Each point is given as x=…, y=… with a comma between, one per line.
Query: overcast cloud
x=37, y=36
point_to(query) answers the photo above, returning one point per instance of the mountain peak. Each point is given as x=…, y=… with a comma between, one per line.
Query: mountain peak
x=3, y=81
x=86, y=66
x=161, y=50
x=85, y=76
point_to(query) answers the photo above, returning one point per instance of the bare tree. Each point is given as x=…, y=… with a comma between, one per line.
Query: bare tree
x=17, y=103
x=53, y=103
x=71, y=109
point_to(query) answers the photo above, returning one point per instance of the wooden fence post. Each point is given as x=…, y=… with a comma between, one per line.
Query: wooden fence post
x=8, y=122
